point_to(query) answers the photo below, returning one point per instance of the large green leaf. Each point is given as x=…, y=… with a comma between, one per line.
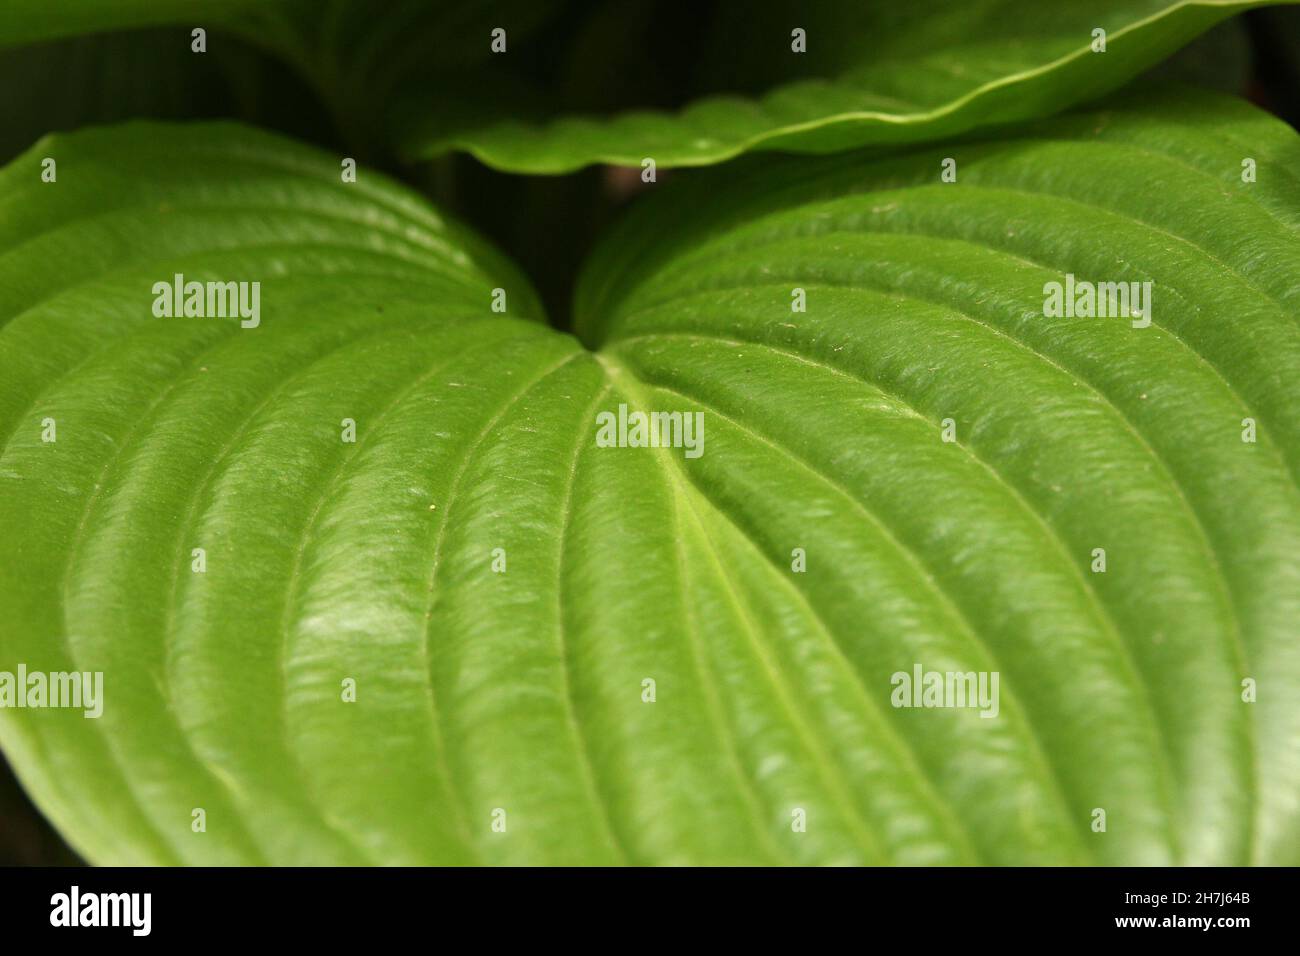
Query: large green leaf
x=523, y=690
x=873, y=74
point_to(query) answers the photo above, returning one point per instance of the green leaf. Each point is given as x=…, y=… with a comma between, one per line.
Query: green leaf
x=873, y=74
x=367, y=293
x=522, y=689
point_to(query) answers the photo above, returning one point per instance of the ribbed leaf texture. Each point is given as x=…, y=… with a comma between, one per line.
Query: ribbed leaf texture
x=500, y=587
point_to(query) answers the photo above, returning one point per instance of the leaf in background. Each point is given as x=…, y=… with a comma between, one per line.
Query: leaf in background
x=523, y=690
x=716, y=82
x=873, y=74
x=150, y=73
x=354, y=54
x=29, y=21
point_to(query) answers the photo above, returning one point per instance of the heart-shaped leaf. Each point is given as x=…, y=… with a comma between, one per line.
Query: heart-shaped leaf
x=476, y=633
